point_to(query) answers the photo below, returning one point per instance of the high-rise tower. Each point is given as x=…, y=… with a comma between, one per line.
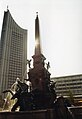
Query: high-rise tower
x=13, y=52
x=38, y=75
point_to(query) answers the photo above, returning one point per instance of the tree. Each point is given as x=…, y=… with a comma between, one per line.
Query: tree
x=70, y=97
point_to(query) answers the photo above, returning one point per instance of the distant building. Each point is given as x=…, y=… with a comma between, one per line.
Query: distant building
x=66, y=84
x=13, y=52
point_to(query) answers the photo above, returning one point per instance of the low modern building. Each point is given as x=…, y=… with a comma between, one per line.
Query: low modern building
x=66, y=84
x=13, y=52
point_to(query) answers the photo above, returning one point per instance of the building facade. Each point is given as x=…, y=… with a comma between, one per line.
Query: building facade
x=13, y=52
x=66, y=84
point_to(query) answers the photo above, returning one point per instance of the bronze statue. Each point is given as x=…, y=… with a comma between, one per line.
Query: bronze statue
x=29, y=63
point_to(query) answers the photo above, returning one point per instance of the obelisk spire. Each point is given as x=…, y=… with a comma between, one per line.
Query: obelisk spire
x=38, y=75
x=37, y=36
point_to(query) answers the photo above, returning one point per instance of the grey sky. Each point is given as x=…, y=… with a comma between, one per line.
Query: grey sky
x=61, y=30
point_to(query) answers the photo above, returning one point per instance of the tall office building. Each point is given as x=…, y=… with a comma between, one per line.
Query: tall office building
x=13, y=52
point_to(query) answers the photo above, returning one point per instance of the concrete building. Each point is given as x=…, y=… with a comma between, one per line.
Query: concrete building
x=66, y=84
x=13, y=52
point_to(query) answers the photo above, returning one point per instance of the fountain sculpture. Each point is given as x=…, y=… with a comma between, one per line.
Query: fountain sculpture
x=42, y=93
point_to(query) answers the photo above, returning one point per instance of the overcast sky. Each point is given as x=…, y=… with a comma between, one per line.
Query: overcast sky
x=60, y=27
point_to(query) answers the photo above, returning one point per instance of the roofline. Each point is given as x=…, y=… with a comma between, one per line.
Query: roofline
x=67, y=76
x=8, y=11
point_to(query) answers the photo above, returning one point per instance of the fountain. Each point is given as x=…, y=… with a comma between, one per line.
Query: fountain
x=40, y=102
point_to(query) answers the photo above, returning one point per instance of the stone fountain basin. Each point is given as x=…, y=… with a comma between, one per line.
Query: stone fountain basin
x=40, y=114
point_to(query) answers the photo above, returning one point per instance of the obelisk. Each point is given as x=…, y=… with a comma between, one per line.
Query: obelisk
x=38, y=75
